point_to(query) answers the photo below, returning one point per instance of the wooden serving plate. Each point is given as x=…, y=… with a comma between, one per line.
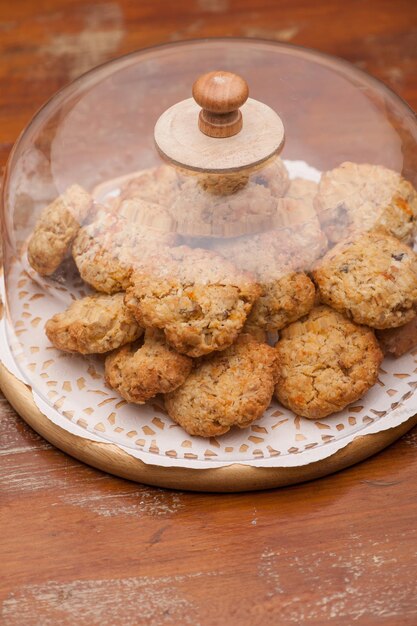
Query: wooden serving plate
x=232, y=478
x=66, y=401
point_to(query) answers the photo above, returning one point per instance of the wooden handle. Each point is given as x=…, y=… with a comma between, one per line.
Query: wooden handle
x=220, y=95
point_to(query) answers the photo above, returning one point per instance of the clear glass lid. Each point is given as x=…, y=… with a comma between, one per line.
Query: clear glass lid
x=183, y=255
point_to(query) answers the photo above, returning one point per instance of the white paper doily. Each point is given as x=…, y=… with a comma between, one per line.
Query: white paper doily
x=71, y=392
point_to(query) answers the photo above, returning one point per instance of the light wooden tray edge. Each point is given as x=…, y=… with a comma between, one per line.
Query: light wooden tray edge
x=232, y=478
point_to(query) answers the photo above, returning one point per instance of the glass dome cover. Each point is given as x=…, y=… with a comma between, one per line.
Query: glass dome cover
x=226, y=278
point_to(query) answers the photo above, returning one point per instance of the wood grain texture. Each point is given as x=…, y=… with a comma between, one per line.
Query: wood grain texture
x=180, y=140
x=229, y=479
x=220, y=95
x=80, y=547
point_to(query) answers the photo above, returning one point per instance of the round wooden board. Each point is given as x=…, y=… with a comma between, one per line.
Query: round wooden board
x=179, y=140
x=110, y=458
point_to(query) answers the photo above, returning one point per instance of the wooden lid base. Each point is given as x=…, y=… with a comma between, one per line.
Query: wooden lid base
x=180, y=141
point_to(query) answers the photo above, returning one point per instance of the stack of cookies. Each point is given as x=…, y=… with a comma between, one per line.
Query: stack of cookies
x=221, y=292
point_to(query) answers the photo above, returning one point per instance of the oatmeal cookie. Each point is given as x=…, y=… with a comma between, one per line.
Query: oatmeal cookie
x=325, y=362
x=146, y=213
x=140, y=374
x=398, y=341
x=229, y=205
x=286, y=294
x=282, y=301
x=56, y=229
x=272, y=174
x=107, y=250
x=296, y=225
x=257, y=332
x=303, y=189
x=372, y=278
x=221, y=184
x=159, y=185
x=202, y=214
x=93, y=325
x=231, y=388
x=360, y=197
x=199, y=299
x=210, y=204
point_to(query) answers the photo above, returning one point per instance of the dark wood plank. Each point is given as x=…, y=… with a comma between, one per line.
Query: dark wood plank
x=80, y=547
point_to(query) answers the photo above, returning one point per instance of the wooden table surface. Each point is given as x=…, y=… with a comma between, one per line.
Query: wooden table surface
x=80, y=547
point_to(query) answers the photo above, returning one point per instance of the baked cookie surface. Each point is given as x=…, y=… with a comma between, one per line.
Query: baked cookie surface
x=361, y=197
x=229, y=205
x=272, y=174
x=302, y=189
x=325, y=362
x=398, y=341
x=231, y=388
x=258, y=333
x=110, y=248
x=198, y=298
x=93, y=325
x=286, y=294
x=297, y=227
x=282, y=301
x=159, y=185
x=150, y=215
x=140, y=374
x=372, y=278
x=199, y=213
x=202, y=205
x=56, y=229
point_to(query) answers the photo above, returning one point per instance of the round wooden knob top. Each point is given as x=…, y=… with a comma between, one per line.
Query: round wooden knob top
x=220, y=92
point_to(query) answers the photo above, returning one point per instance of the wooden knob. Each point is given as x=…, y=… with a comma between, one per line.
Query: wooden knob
x=220, y=95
